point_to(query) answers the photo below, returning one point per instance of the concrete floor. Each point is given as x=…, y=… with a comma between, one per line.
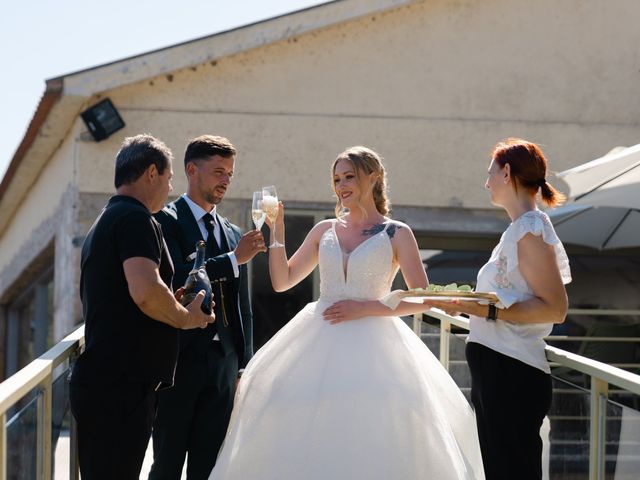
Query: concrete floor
x=61, y=458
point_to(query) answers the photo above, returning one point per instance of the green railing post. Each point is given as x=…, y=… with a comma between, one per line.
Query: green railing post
x=47, y=400
x=417, y=323
x=597, y=428
x=74, y=464
x=445, y=331
x=3, y=446
x=43, y=430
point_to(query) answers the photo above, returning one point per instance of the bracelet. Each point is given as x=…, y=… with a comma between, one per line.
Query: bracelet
x=492, y=314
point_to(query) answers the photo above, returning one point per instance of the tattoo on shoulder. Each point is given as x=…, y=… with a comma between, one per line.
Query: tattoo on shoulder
x=391, y=231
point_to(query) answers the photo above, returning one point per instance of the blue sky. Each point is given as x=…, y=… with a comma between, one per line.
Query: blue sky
x=41, y=39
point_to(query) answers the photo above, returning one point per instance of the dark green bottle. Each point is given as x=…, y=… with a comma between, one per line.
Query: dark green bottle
x=198, y=280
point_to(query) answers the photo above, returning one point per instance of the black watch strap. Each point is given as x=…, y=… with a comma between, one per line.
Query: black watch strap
x=492, y=314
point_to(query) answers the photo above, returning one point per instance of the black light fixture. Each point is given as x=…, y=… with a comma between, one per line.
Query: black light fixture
x=102, y=119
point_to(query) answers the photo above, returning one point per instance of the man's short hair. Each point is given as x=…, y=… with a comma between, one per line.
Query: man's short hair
x=204, y=146
x=137, y=154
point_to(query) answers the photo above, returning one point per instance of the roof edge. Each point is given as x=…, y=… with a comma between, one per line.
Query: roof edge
x=53, y=92
x=223, y=44
x=195, y=40
x=88, y=82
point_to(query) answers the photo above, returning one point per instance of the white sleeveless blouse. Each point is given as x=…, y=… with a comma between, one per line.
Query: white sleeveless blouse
x=501, y=275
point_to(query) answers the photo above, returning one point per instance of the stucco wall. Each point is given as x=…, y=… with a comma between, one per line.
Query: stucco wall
x=36, y=221
x=431, y=86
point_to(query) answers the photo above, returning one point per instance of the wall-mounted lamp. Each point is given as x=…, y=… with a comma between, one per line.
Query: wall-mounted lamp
x=102, y=119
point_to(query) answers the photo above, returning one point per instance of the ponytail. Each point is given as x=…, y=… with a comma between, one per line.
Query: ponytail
x=550, y=196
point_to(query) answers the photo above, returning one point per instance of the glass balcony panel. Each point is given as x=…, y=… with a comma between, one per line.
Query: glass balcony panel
x=622, y=460
x=566, y=430
x=567, y=440
x=22, y=442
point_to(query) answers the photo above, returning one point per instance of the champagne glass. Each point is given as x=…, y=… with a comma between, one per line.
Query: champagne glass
x=270, y=207
x=257, y=213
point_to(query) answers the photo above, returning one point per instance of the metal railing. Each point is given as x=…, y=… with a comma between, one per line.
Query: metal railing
x=601, y=375
x=39, y=375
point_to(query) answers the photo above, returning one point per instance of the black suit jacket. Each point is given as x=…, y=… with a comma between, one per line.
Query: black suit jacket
x=181, y=232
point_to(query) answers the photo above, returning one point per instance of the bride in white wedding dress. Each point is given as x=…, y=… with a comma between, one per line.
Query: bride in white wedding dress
x=346, y=390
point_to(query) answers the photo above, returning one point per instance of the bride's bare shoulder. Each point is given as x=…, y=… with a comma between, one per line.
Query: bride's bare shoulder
x=319, y=228
x=395, y=228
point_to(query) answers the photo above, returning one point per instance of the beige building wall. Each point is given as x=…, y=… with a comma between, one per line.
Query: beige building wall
x=432, y=86
x=40, y=238
x=34, y=224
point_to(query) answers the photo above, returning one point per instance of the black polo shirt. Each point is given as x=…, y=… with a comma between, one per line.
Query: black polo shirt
x=122, y=343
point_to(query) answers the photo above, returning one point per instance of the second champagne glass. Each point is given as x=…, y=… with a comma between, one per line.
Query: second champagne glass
x=270, y=207
x=257, y=213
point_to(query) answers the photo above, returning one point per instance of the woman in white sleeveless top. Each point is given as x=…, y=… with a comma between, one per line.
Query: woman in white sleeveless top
x=511, y=382
x=346, y=391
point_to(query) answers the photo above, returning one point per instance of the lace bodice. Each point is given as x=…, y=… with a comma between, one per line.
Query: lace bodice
x=364, y=274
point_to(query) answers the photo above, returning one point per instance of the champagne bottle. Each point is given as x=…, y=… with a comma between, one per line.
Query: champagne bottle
x=198, y=280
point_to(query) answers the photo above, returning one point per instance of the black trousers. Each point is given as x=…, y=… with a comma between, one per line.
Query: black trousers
x=510, y=399
x=114, y=427
x=193, y=416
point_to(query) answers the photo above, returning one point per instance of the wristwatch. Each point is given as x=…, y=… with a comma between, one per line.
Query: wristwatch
x=492, y=314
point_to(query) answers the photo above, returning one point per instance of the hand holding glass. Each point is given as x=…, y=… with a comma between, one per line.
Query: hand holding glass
x=257, y=213
x=271, y=207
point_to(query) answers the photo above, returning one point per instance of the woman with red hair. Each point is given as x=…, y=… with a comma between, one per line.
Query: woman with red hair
x=511, y=381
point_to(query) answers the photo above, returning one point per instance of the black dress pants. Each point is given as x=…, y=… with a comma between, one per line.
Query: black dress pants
x=510, y=399
x=114, y=427
x=194, y=414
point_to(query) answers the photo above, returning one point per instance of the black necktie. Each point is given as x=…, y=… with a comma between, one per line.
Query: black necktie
x=218, y=286
x=212, y=244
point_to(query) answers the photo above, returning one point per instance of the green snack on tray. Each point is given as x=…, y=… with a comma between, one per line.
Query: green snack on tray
x=452, y=287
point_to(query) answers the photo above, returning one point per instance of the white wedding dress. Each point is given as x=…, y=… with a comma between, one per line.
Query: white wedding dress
x=364, y=399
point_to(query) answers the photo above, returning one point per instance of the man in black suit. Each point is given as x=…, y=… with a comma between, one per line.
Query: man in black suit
x=131, y=317
x=193, y=416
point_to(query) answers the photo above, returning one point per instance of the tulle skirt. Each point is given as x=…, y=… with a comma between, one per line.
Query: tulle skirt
x=364, y=399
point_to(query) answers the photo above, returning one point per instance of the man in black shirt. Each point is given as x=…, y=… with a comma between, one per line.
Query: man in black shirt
x=131, y=317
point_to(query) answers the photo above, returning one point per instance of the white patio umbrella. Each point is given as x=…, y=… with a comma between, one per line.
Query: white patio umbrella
x=603, y=210
x=597, y=227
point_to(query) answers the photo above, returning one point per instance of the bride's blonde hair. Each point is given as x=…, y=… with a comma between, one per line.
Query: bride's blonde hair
x=366, y=161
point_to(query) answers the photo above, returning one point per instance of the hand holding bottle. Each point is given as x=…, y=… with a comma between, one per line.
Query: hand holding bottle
x=198, y=281
x=197, y=317
x=178, y=294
